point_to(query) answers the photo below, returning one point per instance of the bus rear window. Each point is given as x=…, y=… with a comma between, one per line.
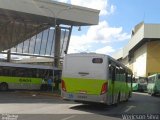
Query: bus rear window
x=97, y=60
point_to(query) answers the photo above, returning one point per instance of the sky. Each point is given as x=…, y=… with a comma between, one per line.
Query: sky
x=117, y=18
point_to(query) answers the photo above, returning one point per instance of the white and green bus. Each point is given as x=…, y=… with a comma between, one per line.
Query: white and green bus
x=97, y=78
x=22, y=76
x=153, y=86
x=139, y=84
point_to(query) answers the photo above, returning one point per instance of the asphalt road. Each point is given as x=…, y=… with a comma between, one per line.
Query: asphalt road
x=38, y=107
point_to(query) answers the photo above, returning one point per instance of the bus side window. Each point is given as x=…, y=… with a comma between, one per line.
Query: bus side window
x=41, y=73
x=5, y=72
x=0, y=72
x=149, y=80
x=110, y=71
x=126, y=77
x=34, y=73
x=121, y=74
x=159, y=77
x=21, y=72
x=154, y=79
x=117, y=74
x=129, y=78
x=113, y=70
x=37, y=73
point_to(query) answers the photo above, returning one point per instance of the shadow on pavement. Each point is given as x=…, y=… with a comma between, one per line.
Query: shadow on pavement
x=138, y=104
x=105, y=110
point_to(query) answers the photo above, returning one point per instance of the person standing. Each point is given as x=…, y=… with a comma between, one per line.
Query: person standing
x=49, y=81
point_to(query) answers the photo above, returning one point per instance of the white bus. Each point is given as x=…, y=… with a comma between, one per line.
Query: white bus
x=89, y=77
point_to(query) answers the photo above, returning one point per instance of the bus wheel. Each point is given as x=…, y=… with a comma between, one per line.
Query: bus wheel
x=128, y=96
x=3, y=86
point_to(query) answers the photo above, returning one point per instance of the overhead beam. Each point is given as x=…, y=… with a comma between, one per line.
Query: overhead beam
x=76, y=15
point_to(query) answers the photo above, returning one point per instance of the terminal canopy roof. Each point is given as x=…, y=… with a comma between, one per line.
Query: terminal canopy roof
x=22, y=19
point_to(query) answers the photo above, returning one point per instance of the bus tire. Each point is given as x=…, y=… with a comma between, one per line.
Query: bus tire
x=128, y=96
x=3, y=86
x=118, y=99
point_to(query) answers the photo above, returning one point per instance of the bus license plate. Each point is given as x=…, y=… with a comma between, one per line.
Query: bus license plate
x=82, y=96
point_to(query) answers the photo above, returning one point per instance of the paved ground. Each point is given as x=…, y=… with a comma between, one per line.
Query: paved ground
x=52, y=107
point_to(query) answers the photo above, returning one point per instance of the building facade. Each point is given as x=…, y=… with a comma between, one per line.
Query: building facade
x=141, y=54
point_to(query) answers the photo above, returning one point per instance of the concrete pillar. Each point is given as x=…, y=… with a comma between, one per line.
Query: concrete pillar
x=57, y=54
x=9, y=55
x=57, y=47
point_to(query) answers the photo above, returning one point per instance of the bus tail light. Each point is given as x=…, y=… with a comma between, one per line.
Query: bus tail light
x=63, y=86
x=104, y=88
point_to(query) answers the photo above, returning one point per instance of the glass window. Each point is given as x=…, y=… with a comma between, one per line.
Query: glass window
x=129, y=77
x=142, y=80
x=110, y=71
x=97, y=60
x=135, y=80
x=159, y=77
x=1, y=72
x=151, y=79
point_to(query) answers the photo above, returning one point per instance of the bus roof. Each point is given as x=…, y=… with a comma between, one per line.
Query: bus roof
x=120, y=64
x=154, y=74
x=7, y=64
x=85, y=54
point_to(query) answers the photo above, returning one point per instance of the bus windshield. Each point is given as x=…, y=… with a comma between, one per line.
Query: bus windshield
x=134, y=80
x=142, y=80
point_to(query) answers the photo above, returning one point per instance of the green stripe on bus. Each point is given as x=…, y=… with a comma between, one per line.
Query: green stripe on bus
x=119, y=87
x=20, y=80
x=77, y=85
x=93, y=86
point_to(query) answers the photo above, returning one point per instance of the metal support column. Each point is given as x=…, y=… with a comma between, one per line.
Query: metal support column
x=68, y=41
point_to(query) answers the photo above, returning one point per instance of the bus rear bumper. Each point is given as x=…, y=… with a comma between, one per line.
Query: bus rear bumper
x=84, y=97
